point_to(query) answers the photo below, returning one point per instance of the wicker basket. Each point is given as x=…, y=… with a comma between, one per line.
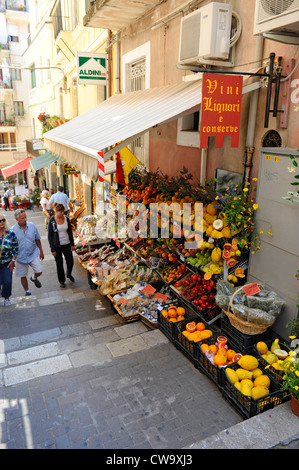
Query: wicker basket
x=241, y=325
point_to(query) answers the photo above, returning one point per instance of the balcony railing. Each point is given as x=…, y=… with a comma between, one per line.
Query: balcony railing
x=4, y=46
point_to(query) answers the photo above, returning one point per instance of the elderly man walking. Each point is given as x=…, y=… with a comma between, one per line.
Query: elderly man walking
x=30, y=250
x=60, y=198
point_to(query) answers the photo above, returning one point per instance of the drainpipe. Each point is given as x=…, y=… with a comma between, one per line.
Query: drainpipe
x=109, y=64
x=117, y=63
x=249, y=149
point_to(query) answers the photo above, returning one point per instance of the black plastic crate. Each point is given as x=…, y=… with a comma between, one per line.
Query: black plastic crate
x=203, y=363
x=275, y=373
x=245, y=343
x=168, y=327
x=209, y=315
x=246, y=406
x=189, y=348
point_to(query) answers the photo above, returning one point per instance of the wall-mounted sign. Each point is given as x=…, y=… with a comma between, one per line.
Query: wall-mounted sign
x=38, y=144
x=221, y=108
x=91, y=68
x=69, y=170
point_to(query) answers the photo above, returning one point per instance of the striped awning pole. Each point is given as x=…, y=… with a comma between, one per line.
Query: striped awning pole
x=101, y=166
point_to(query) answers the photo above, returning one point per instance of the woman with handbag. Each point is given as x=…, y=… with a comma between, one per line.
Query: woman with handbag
x=9, y=251
x=61, y=241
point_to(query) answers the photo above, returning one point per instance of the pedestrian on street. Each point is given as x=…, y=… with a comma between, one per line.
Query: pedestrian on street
x=61, y=242
x=47, y=211
x=30, y=250
x=60, y=198
x=9, y=251
x=7, y=194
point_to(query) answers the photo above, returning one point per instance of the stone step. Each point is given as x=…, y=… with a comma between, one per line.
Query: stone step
x=59, y=349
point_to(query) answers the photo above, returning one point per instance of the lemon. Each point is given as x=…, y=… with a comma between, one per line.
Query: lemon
x=258, y=392
x=248, y=382
x=256, y=373
x=262, y=381
x=248, y=362
x=262, y=347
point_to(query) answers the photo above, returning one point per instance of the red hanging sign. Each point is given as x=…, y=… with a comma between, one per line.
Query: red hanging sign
x=101, y=166
x=251, y=289
x=221, y=108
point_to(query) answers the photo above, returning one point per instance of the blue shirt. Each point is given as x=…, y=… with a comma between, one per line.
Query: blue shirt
x=28, y=249
x=60, y=198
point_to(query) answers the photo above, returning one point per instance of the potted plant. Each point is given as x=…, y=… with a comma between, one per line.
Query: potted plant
x=35, y=198
x=291, y=375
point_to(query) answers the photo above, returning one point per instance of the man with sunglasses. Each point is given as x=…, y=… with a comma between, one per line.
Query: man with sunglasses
x=30, y=250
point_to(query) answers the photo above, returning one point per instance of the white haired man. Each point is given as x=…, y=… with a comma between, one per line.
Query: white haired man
x=30, y=250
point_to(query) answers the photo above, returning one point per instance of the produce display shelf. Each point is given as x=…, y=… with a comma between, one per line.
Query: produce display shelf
x=276, y=374
x=126, y=318
x=246, y=406
x=167, y=327
x=244, y=342
x=203, y=363
x=189, y=348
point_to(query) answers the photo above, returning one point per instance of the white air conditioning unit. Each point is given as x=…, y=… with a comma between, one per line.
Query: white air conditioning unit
x=277, y=20
x=205, y=35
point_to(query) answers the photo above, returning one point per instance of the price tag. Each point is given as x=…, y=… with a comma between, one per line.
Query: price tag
x=251, y=289
x=83, y=242
x=148, y=290
x=117, y=242
x=160, y=296
x=123, y=301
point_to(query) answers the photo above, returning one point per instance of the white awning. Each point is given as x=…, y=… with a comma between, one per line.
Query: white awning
x=121, y=118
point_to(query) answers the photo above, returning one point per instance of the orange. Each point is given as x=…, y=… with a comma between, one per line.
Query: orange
x=172, y=313
x=180, y=318
x=206, y=334
x=191, y=327
x=200, y=326
x=204, y=347
x=213, y=348
x=219, y=360
x=230, y=354
x=173, y=319
x=193, y=336
x=186, y=333
x=164, y=313
x=222, y=352
x=181, y=311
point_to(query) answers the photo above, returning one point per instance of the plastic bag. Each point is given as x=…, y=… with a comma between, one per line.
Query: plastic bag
x=260, y=317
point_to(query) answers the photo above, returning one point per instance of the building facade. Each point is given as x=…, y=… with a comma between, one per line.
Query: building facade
x=14, y=80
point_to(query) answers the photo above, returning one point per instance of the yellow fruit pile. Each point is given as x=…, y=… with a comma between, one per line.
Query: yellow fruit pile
x=248, y=378
x=196, y=331
x=274, y=356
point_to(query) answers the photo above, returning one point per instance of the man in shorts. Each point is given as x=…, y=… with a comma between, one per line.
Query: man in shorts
x=30, y=250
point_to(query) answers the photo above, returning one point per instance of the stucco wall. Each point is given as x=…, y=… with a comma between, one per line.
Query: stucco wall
x=164, y=152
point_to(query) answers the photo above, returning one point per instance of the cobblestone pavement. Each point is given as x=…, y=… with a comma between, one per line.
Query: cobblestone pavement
x=74, y=376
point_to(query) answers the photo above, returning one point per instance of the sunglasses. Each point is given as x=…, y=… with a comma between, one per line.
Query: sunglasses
x=2, y=220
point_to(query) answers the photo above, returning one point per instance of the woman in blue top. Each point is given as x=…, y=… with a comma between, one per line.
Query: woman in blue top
x=9, y=251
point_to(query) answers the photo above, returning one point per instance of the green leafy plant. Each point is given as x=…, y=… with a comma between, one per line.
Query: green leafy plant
x=293, y=196
x=291, y=369
x=36, y=195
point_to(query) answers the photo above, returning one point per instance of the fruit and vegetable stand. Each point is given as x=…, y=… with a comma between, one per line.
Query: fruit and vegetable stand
x=197, y=297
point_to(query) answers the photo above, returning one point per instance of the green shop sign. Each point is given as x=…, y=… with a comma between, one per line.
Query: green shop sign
x=91, y=68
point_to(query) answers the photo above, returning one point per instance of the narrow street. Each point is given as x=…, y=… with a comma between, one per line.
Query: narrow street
x=74, y=376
